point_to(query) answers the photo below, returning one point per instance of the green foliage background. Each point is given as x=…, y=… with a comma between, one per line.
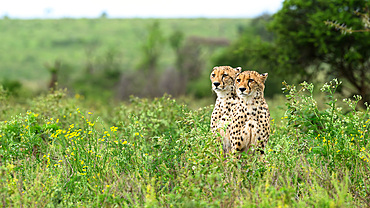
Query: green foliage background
x=300, y=46
x=29, y=44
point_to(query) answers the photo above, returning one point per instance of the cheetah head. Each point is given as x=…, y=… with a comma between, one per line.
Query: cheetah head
x=222, y=78
x=250, y=84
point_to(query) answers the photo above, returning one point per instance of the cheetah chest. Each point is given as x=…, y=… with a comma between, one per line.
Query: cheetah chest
x=221, y=113
x=250, y=127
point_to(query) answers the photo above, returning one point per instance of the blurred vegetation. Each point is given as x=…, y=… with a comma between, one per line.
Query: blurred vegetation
x=112, y=58
x=116, y=58
x=309, y=43
x=300, y=46
x=252, y=51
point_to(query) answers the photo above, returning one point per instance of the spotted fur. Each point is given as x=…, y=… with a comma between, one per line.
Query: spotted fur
x=222, y=78
x=250, y=125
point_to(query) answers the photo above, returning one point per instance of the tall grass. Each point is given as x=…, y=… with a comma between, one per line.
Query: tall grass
x=160, y=153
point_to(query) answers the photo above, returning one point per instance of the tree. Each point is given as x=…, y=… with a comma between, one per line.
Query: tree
x=304, y=43
x=152, y=48
x=54, y=71
x=254, y=50
x=104, y=15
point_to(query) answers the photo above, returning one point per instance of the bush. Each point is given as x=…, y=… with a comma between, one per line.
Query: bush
x=337, y=134
x=11, y=86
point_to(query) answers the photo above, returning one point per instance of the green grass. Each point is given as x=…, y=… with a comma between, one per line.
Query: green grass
x=58, y=151
x=30, y=44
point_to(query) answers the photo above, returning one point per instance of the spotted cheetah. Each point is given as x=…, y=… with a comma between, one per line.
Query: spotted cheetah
x=250, y=124
x=222, y=78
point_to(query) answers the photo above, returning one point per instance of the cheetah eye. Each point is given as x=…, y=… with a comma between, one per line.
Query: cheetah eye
x=213, y=75
x=238, y=80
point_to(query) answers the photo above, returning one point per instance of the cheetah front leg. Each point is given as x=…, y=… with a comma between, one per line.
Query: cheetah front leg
x=246, y=141
x=225, y=135
x=226, y=146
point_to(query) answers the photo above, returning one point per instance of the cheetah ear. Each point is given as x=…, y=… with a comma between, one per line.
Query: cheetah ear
x=238, y=69
x=264, y=76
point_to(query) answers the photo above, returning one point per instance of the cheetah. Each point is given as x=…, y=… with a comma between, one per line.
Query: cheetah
x=222, y=78
x=250, y=124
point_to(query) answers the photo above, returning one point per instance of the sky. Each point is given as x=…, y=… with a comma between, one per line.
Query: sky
x=30, y=9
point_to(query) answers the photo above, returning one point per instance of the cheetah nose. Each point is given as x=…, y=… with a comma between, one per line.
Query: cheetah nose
x=242, y=89
x=216, y=84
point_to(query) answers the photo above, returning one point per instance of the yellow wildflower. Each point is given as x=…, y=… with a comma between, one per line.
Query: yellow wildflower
x=113, y=129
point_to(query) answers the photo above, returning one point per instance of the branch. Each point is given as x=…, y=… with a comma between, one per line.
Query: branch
x=343, y=27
